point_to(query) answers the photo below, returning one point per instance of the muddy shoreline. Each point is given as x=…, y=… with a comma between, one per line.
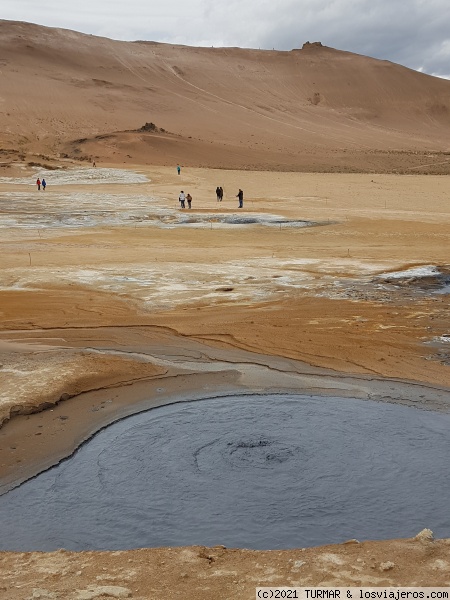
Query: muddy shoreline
x=192, y=370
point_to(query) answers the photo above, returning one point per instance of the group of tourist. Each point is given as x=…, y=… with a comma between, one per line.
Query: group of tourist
x=239, y=196
x=219, y=193
x=183, y=198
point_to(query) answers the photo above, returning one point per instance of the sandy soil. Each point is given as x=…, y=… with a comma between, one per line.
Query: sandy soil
x=113, y=300
x=326, y=288
x=203, y=573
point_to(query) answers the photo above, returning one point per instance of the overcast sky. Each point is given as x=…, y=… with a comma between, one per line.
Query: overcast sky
x=414, y=33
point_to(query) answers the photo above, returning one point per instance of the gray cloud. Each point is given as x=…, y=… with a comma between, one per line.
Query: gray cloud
x=414, y=33
x=407, y=33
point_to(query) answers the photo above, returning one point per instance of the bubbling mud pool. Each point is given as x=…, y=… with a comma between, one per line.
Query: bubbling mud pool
x=262, y=472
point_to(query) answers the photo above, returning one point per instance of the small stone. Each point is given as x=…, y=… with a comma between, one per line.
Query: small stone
x=41, y=593
x=298, y=563
x=440, y=565
x=387, y=566
x=108, y=591
x=426, y=535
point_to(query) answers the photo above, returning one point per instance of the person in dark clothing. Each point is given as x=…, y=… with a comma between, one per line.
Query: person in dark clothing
x=44, y=184
x=178, y=169
x=189, y=200
x=221, y=193
x=240, y=196
x=218, y=193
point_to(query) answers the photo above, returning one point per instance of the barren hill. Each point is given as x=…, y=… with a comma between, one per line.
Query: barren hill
x=315, y=108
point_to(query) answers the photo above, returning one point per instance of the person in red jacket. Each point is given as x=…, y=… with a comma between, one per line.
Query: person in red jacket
x=38, y=183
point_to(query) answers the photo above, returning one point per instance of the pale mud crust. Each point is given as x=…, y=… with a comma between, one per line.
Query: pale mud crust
x=36, y=379
x=83, y=176
x=202, y=573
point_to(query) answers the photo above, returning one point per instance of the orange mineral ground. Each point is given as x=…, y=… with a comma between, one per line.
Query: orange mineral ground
x=332, y=279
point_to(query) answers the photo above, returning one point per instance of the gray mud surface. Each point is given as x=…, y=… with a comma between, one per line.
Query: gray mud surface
x=260, y=472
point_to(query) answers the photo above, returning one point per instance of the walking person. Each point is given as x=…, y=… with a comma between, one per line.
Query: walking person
x=218, y=193
x=44, y=184
x=182, y=198
x=189, y=200
x=178, y=169
x=38, y=183
x=240, y=196
x=221, y=193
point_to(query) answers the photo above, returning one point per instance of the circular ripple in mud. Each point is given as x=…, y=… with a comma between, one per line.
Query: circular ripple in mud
x=255, y=471
x=243, y=453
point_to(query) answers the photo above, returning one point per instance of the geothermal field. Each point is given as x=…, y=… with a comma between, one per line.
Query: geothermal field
x=209, y=399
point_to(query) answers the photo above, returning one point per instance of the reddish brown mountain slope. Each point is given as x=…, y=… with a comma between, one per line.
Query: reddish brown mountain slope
x=315, y=108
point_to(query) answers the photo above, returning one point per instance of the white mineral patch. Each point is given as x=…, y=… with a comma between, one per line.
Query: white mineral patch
x=77, y=210
x=236, y=220
x=443, y=338
x=166, y=285
x=424, y=271
x=78, y=177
